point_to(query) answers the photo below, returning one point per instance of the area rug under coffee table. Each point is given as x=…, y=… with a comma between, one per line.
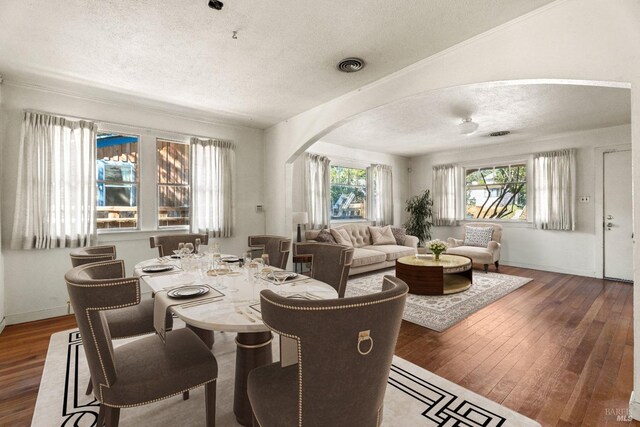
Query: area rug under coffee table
x=414, y=396
x=440, y=312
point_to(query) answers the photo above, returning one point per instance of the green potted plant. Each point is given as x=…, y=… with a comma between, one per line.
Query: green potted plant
x=420, y=209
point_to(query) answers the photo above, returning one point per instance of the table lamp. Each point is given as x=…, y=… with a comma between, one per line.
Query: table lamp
x=300, y=218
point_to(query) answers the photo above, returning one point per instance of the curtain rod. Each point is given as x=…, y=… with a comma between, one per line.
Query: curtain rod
x=31, y=110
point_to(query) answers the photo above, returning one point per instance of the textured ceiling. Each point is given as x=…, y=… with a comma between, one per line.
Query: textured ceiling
x=429, y=122
x=283, y=62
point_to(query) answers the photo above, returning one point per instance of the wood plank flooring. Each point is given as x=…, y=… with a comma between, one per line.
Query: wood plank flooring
x=559, y=350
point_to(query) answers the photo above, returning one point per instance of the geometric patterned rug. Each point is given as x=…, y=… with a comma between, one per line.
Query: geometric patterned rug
x=440, y=312
x=414, y=396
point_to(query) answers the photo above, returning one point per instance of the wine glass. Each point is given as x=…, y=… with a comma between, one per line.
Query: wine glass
x=197, y=245
x=188, y=248
x=265, y=260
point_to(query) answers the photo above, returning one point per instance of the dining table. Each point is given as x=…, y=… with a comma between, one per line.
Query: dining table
x=233, y=307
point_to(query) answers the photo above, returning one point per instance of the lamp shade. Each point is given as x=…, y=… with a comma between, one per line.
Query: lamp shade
x=300, y=218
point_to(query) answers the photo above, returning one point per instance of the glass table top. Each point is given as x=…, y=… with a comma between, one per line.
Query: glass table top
x=445, y=261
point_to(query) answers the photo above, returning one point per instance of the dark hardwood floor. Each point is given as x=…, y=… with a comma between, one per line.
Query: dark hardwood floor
x=559, y=350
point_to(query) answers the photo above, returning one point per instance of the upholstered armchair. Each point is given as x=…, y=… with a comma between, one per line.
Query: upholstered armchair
x=345, y=349
x=329, y=263
x=276, y=247
x=481, y=243
x=167, y=243
x=142, y=371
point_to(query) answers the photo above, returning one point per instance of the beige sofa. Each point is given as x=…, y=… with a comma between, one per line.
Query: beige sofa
x=369, y=257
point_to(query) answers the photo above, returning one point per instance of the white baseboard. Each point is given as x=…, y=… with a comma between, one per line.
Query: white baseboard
x=13, y=319
x=3, y=323
x=552, y=268
x=634, y=407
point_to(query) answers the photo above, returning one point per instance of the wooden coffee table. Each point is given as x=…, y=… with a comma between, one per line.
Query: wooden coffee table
x=426, y=276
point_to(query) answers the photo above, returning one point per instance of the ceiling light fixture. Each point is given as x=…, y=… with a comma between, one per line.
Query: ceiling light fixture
x=467, y=127
x=215, y=4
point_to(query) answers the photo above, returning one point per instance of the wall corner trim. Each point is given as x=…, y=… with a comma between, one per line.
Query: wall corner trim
x=634, y=407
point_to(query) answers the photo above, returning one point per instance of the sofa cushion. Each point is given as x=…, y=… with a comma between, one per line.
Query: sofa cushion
x=366, y=256
x=382, y=235
x=392, y=252
x=341, y=236
x=325, y=236
x=477, y=236
x=399, y=234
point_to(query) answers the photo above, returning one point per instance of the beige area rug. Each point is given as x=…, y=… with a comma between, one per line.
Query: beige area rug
x=414, y=396
x=443, y=311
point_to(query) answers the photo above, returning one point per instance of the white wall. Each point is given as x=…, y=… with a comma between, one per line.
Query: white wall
x=574, y=252
x=33, y=280
x=345, y=156
x=2, y=140
x=585, y=40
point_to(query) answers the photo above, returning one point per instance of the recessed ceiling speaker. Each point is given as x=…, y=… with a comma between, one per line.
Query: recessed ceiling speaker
x=215, y=4
x=350, y=65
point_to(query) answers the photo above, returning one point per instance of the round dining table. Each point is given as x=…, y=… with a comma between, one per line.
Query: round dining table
x=237, y=310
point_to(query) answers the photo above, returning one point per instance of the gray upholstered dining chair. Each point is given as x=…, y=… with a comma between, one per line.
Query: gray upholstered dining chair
x=85, y=255
x=123, y=322
x=167, y=243
x=320, y=390
x=329, y=263
x=144, y=370
x=276, y=247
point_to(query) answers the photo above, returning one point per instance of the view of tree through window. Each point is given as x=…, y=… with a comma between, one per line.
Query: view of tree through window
x=173, y=183
x=497, y=192
x=348, y=193
x=117, y=180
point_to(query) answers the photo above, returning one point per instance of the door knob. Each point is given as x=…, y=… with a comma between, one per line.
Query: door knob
x=609, y=217
x=609, y=224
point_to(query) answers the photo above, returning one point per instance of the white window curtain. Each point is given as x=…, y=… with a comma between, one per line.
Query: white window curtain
x=212, y=168
x=448, y=188
x=380, y=194
x=317, y=189
x=56, y=192
x=554, y=178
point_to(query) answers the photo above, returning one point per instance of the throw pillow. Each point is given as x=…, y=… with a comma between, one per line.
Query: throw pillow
x=478, y=236
x=342, y=236
x=325, y=236
x=399, y=234
x=382, y=235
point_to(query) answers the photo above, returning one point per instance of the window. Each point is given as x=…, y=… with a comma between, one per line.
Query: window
x=173, y=183
x=348, y=193
x=497, y=192
x=117, y=175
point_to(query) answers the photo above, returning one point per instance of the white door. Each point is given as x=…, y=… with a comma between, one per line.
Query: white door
x=617, y=220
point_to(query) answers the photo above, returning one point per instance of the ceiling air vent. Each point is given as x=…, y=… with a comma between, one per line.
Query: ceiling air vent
x=500, y=133
x=351, y=65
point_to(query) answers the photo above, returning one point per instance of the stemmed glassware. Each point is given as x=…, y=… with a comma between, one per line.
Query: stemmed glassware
x=188, y=248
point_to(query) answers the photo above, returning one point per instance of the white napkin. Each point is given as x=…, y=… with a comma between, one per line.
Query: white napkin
x=162, y=302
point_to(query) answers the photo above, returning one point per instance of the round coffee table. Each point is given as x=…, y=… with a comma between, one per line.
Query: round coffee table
x=426, y=276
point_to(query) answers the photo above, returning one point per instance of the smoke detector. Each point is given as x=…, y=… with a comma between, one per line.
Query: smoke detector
x=350, y=65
